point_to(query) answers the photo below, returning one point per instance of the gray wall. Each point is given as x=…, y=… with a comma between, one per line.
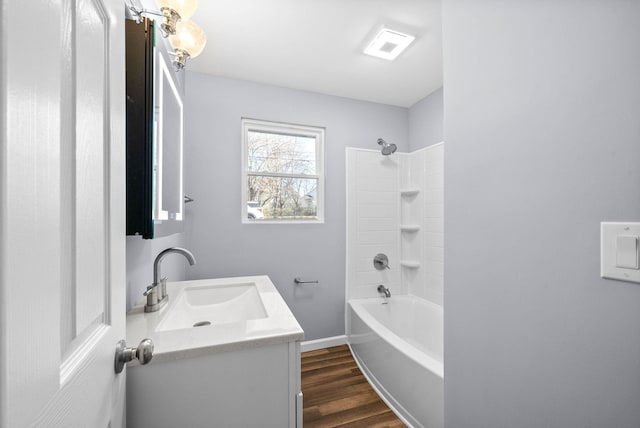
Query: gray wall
x=426, y=121
x=226, y=247
x=542, y=131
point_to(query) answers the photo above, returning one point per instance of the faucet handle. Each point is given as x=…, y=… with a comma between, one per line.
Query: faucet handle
x=162, y=289
x=381, y=262
x=152, y=298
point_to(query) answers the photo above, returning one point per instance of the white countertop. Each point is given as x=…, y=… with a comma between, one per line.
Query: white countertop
x=279, y=326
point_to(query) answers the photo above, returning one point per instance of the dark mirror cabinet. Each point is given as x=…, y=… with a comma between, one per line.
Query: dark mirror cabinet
x=155, y=201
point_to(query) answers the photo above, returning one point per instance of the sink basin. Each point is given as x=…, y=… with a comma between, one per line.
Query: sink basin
x=205, y=305
x=214, y=315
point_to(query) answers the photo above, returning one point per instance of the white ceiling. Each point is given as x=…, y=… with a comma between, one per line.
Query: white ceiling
x=316, y=45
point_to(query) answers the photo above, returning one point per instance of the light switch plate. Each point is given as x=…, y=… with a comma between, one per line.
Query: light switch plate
x=627, y=251
x=619, y=251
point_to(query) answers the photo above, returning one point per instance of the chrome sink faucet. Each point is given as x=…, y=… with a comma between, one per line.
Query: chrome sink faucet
x=156, y=293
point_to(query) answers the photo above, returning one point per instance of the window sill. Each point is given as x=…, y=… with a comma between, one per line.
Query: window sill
x=317, y=221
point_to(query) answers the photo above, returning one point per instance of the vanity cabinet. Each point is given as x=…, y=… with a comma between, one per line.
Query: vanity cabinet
x=154, y=136
x=227, y=354
x=252, y=387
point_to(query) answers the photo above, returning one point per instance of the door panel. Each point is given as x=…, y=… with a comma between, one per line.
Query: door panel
x=91, y=168
x=62, y=272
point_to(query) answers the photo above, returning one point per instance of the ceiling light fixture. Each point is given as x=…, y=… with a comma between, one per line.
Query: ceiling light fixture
x=171, y=11
x=174, y=11
x=388, y=44
x=186, y=37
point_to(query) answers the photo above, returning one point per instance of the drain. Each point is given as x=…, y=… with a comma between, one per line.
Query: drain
x=202, y=323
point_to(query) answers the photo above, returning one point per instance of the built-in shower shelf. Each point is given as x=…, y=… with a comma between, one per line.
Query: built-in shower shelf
x=410, y=191
x=409, y=227
x=411, y=264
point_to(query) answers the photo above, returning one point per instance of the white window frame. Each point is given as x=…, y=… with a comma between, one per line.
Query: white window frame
x=283, y=128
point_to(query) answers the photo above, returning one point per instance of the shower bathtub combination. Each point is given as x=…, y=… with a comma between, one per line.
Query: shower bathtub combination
x=395, y=276
x=398, y=346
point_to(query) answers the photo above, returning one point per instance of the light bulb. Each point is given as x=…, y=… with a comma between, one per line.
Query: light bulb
x=189, y=38
x=188, y=42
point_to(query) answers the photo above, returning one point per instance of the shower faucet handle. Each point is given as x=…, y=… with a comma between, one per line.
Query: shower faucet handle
x=381, y=262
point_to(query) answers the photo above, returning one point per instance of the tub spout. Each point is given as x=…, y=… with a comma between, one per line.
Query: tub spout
x=384, y=290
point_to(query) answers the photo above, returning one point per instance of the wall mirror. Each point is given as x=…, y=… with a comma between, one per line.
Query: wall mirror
x=168, y=125
x=168, y=194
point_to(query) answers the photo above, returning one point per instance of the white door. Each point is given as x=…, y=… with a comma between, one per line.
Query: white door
x=62, y=261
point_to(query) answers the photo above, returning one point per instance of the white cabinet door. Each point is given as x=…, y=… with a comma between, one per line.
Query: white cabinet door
x=62, y=269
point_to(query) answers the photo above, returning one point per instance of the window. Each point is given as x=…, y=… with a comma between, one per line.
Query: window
x=283, y=173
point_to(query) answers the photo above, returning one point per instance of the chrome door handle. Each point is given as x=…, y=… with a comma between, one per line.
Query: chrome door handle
x=143, y=353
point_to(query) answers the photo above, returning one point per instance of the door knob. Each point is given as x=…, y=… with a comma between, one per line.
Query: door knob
x=143, y=353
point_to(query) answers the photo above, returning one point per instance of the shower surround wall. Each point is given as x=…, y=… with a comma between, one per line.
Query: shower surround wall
x=395, y=207
x=372, y=221
x=422, y=223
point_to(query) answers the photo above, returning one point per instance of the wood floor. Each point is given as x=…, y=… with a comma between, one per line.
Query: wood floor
x=336, y=394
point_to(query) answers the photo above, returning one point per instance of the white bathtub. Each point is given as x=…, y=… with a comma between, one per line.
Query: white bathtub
x=398, y=347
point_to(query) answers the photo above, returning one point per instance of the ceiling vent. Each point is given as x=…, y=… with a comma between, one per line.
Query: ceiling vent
x=388, y=44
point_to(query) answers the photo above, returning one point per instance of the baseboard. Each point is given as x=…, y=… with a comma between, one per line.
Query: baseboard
x=327, y=342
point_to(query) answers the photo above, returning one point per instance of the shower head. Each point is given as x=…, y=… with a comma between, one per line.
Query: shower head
x=387, y=148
